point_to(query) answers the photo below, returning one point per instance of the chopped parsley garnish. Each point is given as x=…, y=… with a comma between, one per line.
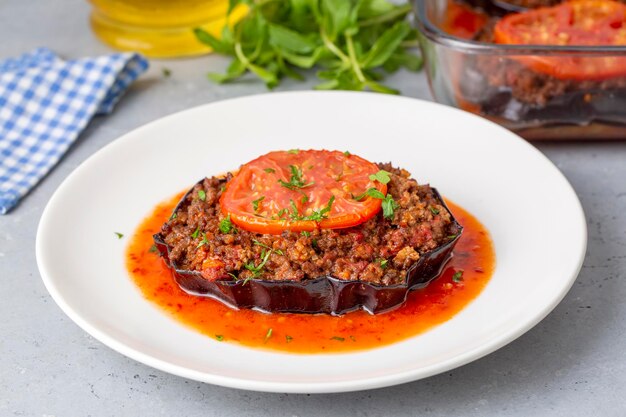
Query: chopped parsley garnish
x=255, y=203
x=257, y=269
x=195, y=233
x=203, y=242
x=119, y=235
x=381, y=176
x=323, y=213
x=347, y=153
x=268, y=335
x=305, y=233
x=433, y=210
x=219, y=337
x=383, y=262
x=372, y=192
x=458, y=276
x=294, y=211
x=233, y=276
x=295, y=181
x=282, y=212
x=173, y=216
x=451, y=236
x=263, y=245
x=269, y=170
x=153, y=249
x=389, y=205
x=337, y=338
x=265, y=255
x=353, y=338
x=201, y=195
x=304, y=199
x=293, y=151
x=288, y=338
x=317, y=215
x=226, y=225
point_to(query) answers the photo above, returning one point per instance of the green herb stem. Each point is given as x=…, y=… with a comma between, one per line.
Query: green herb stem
x=333, y=48
x=391, y=15
x=353, y=59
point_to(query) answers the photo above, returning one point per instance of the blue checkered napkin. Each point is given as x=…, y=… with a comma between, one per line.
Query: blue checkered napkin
x=45, y=103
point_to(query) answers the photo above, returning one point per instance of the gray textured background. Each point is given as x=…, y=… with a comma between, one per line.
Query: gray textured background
x=571, y=364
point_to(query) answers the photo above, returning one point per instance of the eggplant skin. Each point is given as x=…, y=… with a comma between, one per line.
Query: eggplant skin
x=324, y=294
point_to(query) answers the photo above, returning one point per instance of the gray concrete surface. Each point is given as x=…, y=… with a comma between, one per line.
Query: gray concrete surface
x=571, y=364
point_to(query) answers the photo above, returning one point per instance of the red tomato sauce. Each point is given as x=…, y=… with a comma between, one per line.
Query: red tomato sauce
x=315, y=333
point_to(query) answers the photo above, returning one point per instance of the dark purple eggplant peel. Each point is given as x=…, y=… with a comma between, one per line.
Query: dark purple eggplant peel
x=325, y=294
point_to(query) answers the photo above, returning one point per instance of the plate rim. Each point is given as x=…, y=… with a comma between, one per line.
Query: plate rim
x=348, y=385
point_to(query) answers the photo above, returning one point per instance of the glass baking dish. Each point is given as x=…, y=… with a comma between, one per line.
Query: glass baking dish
x=500, y=83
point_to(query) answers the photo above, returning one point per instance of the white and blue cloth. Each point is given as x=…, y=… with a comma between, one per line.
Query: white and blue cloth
x=45, y=102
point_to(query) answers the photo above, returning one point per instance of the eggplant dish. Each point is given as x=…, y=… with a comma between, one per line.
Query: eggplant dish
x=310, y=232
x=559, y=88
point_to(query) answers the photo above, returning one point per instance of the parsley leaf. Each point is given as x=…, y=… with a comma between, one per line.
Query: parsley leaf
x=295, y=181
x=288, y=338
x=119, y=235
x=257, y=269
x=201, y=195
x=255, y=203
x=321, y=214
x=381, y=176
x=263, y=245
x=269, y=170
x=389, y=206
x=219, y=337
x=383, y=262
x=226, y=225
x=458, y=276
x=153, y=249
x=195, y=232
x=433, y=210
x=337, y=338
x=203, y=242
x=282, y=212
x=372, y=192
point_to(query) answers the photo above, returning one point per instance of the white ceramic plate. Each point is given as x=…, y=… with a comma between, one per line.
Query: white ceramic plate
x=534, y=217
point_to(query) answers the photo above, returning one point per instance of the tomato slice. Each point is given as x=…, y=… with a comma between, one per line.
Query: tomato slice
x=462, y=21
x=302, y=191
x=574, y=23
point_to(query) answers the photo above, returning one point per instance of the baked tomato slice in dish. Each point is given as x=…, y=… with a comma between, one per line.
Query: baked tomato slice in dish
x=463, y=21
x=573, y=23
x=302, y=191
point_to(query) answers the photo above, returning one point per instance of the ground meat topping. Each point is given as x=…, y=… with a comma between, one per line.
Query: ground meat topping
x=378, y=251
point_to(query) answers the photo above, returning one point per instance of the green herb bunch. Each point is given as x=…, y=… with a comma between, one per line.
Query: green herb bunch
x=352, y=43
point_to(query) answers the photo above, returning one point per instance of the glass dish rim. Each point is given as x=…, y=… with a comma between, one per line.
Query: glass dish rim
x=433, y=33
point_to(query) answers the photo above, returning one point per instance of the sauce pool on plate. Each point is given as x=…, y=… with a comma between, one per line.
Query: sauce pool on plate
x=462, y=280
